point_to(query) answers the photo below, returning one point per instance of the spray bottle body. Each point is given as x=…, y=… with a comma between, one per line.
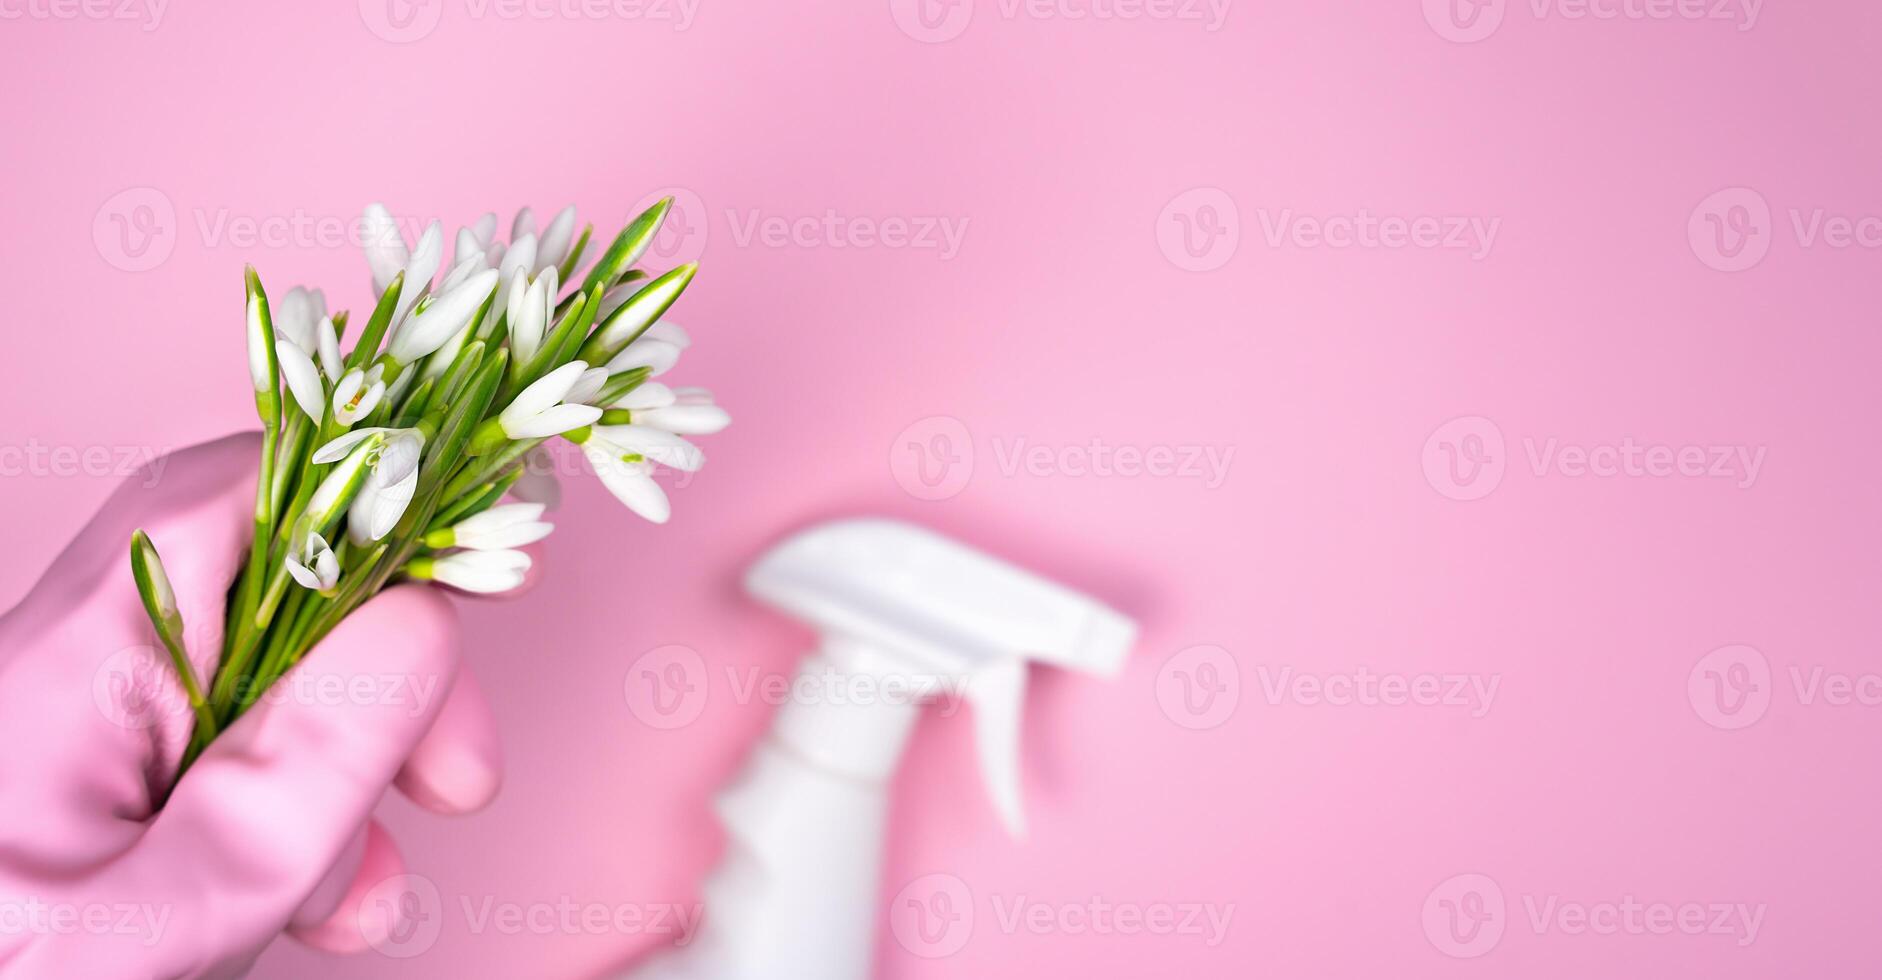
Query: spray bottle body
x=797, y=893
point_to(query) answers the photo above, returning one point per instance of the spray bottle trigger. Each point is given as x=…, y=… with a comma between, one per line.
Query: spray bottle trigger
x=998, y=693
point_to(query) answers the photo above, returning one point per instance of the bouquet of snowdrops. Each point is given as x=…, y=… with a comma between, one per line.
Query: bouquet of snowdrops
x=393, y=460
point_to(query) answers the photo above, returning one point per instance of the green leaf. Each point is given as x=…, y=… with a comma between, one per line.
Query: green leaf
x=574, y=258
x=368, y=344
x=153, y=586
x=465, y=413
x=416, y=403
x=633, y=317
x=627, y=247
x=621, y=384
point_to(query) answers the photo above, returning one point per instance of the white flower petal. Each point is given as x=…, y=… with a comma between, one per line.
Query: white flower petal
x=468, y=245
x=294, y=317
x=448, y=313
x=647, y=394
x=514, y=536
x=500, y=516
x=541, y=395
x=556, y=238
x=399, y=458
x=670, y=332
x=427, y=256
x=482, y=571
x=462, y=271
x=656, y=445
x=336, y=450
x=657, y=356
x=521, y=254
x=327, y=341
x=686, y=420
x=524, y=224
x=532, y=319
x=553, y=422
x=376, y=510
x=327, y=568
x=260, y=371
x=302, y=377
x=631, y=484
x=486, y=227
x=302, y=574
x=586, y=387
x=386, y=253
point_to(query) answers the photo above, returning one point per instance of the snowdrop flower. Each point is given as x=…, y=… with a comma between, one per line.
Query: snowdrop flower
x=388, y=487
x=632, y=483
x=261, y=359
x=386, y=253
x=429, y=327
x=634, y=317
x=440, y=360
x=553, y=246
x=427, y=257
x=298, y=314
x=473, y=571
x=539, y=412
x=476, y=240
x=344, y=482
x=624, y=456
x=314, y=567
x=462, y=271
x=295, y=350
x=303, y=378
x=656, y=355
x=357, y=393
x=654, y=404
x=529, y=306
x=644, y=443
x=521, y=255
x=505, y=526
x=587, y=385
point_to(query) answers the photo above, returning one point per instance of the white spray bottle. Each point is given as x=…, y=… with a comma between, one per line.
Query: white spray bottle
x=904, y=614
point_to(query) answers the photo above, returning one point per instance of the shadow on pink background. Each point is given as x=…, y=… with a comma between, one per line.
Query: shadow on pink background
x=1487, y=369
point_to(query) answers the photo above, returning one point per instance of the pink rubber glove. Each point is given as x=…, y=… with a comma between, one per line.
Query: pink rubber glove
x=270, y=829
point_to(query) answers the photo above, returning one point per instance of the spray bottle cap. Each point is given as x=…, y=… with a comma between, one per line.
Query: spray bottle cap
x=931, y=605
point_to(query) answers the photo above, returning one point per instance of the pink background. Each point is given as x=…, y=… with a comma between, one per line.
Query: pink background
x=1613, y=765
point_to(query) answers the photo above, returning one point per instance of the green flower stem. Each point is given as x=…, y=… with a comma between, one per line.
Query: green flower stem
x=153, y=586
x=483, y=469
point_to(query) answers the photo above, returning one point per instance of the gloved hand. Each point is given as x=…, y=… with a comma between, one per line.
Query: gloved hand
x=270, y=828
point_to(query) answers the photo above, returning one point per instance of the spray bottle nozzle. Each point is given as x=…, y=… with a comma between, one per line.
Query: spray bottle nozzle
x=923, y=604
